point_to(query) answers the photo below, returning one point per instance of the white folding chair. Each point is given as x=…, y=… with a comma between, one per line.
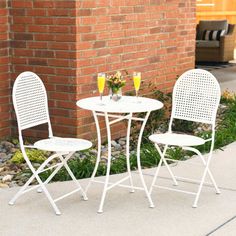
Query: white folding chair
x=196, y=97
x=31, y=107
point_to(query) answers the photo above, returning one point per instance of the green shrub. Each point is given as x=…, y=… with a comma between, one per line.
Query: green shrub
x=34, y=155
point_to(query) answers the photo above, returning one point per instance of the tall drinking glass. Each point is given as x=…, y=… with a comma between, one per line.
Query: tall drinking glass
x=137, y=82
x=101, y=79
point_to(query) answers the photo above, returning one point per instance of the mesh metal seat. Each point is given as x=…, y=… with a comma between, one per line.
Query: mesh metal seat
x=31, y=107
x=57, y=144
x=177, y=139
x=196, y=97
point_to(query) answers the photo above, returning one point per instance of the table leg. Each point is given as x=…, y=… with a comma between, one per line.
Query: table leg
x=138, y=160
x=98, y=153
x=128, y=153
x=100, y=210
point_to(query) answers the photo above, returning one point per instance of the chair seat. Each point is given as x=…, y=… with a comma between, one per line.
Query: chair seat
x=57, y=144
x=207, y=44
x=177, y=139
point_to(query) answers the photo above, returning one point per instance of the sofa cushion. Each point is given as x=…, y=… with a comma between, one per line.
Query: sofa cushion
x=207, y=44
x=211, y=25
x=213, y=34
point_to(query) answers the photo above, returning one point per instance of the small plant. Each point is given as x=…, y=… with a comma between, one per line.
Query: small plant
x=115, y=81
x=34, y=155
x=184, y=126
x=227, y=96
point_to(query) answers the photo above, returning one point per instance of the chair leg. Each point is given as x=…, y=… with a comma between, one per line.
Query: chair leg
x=42, y=186
x=210, y=175
x=94, y=171
x=204, y=163
x=200, y=188
x=203, y=177
x=57, y=211
x=213, y=182
x=72, y=176
x=39, y=190
x=22, y=189
x=162, y=155
x=155, y=176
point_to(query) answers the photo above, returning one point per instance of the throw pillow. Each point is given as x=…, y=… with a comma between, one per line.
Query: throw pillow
x=213, y=34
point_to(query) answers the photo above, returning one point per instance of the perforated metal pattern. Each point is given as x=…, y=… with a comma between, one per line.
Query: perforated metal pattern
x=30, y=100
x=196, y=96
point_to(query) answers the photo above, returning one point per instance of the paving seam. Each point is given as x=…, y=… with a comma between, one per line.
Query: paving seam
x=191, y=182
x=223, y=188
x=220, y=226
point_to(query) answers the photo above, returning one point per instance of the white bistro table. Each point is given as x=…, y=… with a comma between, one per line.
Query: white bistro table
x=115, y=111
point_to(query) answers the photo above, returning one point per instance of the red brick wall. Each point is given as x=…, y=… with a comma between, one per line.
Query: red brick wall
x=5, y=99
x=68, y=42
x=156, y=37
x=43, y=40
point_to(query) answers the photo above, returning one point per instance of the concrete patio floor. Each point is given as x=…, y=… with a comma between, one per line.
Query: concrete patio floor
x=226, y=78
x=128, y=213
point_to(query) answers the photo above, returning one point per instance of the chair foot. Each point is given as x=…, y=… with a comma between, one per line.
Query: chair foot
x=58, y=213
x=132, y=191
x=175, y=184
x=100, y=211
x=194, y=206
x=151, y=206
x=218, y=192
x=39, y=190
x=11, y=203
x=85, y=198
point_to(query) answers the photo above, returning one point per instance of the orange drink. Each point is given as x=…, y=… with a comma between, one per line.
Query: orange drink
x=101, y=83
x=137, y=82
x=101, y=79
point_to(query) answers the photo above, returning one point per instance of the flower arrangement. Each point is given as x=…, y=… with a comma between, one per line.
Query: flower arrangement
x=115, y=82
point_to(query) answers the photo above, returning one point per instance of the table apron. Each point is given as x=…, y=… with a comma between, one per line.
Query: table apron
x=119, y=117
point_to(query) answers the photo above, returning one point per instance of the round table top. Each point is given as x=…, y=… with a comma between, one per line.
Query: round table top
x=126, y=104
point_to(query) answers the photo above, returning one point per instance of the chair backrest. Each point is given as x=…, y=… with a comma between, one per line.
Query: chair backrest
x=196, y=97
x=30, y=101
x=211, y=25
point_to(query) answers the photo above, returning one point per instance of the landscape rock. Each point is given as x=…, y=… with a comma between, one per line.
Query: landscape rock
x=121, y=142
x=13, y=150
x=93, y=152
x=7, y=178
x=7, y=145
x=118, y=147
x=3, y=185
x=113, y=143
x=3, y=156
x=117, y=153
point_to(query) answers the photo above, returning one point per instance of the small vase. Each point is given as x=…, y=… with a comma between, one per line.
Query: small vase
x=115, y=95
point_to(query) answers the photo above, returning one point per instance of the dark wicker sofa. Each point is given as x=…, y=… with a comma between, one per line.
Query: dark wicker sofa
x=221, y=50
